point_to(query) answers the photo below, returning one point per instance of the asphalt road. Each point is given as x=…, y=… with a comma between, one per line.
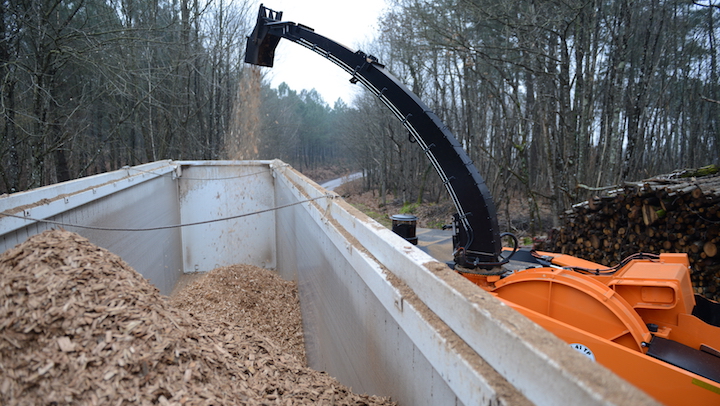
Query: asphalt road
x=332, y=184
x=436, y=243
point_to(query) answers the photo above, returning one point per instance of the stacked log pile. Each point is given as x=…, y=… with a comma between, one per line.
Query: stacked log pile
x=659, y=215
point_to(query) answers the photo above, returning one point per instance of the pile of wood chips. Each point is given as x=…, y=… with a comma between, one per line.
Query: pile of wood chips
x=79, y=326
x=248, y=297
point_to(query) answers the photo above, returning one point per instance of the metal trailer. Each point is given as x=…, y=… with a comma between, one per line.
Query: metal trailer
x=378, y=313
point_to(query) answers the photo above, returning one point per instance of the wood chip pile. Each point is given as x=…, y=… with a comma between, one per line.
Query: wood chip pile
x=79, y=326
x=248, y=297
x=656, y=216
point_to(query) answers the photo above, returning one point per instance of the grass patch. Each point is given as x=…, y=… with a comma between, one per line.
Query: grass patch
x=409, y=208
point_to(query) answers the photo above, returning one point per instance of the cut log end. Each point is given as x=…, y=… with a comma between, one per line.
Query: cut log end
x=710, y=249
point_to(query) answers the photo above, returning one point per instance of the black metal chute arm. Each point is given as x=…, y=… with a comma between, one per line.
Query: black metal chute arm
x=477, y=239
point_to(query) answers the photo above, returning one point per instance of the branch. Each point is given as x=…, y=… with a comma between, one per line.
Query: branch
x=596, y=189
x=697, y=3
x=708, y=99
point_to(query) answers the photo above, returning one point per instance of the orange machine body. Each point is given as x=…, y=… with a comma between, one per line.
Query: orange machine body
x=637, y=321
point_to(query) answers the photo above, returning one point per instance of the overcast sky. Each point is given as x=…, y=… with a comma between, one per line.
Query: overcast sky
x=351, y=23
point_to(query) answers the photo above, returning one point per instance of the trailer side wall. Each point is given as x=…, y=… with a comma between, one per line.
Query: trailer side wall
x=131, y=198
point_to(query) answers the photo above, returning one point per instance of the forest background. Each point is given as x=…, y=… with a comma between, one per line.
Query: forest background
x=549, y=98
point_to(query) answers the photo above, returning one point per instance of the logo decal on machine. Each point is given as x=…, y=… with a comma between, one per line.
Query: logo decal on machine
x=583, y=350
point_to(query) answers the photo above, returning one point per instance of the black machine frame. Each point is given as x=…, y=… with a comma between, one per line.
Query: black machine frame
x=476, y=239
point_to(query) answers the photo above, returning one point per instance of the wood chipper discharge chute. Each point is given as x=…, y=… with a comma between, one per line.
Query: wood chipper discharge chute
x=639, y=318
x=261, y=44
